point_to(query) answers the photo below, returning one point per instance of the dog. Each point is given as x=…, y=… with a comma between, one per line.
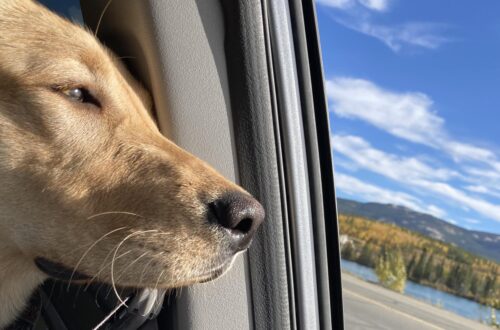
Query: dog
x=90, y=190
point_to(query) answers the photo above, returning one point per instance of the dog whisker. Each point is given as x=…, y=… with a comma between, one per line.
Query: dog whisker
x=104, y=266
x=114, y=212
x=101, y=268
x=158, y=280
x=146, y=266
x=130, y=265
x=88, y=250
x=100, y=18
x=79, y=136
x=114, y=256
x=101, y=285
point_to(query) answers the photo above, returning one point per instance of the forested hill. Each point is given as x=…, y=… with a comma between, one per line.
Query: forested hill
x=426, y=261
x=479, y=243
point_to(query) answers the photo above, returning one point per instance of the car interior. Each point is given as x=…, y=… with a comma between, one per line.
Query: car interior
x=239, y=84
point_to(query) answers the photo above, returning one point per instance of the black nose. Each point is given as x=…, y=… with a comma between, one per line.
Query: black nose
x=240, y=215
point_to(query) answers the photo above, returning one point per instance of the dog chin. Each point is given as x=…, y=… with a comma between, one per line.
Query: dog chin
x=217, y=271
x=64, y=273
x=59, y=271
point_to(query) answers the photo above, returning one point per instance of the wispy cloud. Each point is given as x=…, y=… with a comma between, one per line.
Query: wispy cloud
x=407, y=115
x=483, y=190
x=369, y=192
x=411, y=173
x=376, y=5
x=395, y=167
x=360, y=16
x=440, y=213
x=472, y=221
x=415, y=34
x=340, y=4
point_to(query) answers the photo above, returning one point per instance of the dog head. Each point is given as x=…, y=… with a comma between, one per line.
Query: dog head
x=90, y=188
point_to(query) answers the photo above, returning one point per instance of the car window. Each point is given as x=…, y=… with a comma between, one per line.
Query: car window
x=413, y=99
x=69, y=9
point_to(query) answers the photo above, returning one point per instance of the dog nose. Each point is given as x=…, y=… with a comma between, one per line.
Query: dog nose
x=240, y=215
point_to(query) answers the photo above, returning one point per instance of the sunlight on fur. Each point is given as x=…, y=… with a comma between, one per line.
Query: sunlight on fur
x=89, y=184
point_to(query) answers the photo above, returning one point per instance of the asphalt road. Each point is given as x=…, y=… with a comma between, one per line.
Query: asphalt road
x=369, y=306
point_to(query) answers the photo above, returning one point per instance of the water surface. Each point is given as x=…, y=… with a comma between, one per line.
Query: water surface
x=452, y=303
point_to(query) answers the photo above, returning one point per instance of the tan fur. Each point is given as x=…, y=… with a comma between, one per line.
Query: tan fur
x=71, y=173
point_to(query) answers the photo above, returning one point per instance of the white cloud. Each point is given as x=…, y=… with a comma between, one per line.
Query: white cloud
x=369, y=192
x=397, y=168
x=484, y=175
x=358, y=15
x=472, y=221
x=415, y=34
x=446, y=191
x=484, y=190
x=459, y=150
x=440, y=213
x=341, y=4
x=412, y=173
x=375, y=5
x=356, y=187
x=407, y=115
x=453, y=222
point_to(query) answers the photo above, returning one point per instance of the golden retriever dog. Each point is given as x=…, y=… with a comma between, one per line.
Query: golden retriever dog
x=90, y=189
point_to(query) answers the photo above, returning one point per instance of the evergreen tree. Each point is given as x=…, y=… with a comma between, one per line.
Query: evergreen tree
x=452, y=282
x=489, y=286
x=428, y=269
x=411, y=265
x=419, y=269
x=366, y=255
x=464, y=280
x=474, y=285
x=439, y=273
x=348, y=251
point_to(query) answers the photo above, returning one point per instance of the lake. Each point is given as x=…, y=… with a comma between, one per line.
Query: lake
x=458, y=305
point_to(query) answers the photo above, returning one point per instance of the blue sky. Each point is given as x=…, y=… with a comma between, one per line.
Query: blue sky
x=414, y=99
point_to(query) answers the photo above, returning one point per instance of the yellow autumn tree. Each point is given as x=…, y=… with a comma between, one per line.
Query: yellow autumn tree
x=390, y=270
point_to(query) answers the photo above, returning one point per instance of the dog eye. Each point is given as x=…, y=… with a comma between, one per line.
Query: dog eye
x=81, y=95
x=75, y=93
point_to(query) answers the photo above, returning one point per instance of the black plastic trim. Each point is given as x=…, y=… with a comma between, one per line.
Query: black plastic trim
x=313, y=160
x=257, y=153
x=326, y=162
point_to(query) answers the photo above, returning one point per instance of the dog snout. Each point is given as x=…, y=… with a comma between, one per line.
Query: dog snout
x=240, y=215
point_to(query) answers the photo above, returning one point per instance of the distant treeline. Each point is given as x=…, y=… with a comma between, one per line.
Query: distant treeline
x=428, y=261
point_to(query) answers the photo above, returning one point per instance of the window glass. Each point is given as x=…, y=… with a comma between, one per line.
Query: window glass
x=414, y=108
x=68, y=8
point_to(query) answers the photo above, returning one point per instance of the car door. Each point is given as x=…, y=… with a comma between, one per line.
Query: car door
x=240, y=85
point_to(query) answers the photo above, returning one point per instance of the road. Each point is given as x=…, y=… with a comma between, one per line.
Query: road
x=369, y=306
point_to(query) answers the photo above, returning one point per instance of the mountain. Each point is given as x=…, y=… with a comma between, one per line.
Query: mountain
x=480, y=243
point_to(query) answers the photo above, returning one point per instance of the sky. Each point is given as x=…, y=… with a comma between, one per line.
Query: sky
x=414, y=102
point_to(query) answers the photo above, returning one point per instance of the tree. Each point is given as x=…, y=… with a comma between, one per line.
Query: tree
x=366, y=255
x=390, y=270
x=489, y=286
x=348, y=251
x=464, y=280
x=419, y=268
x=428, y=269
x=452, y=280
x=411, y=265
x=474, y=285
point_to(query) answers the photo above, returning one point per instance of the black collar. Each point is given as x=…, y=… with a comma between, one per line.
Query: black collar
x=31, y=315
